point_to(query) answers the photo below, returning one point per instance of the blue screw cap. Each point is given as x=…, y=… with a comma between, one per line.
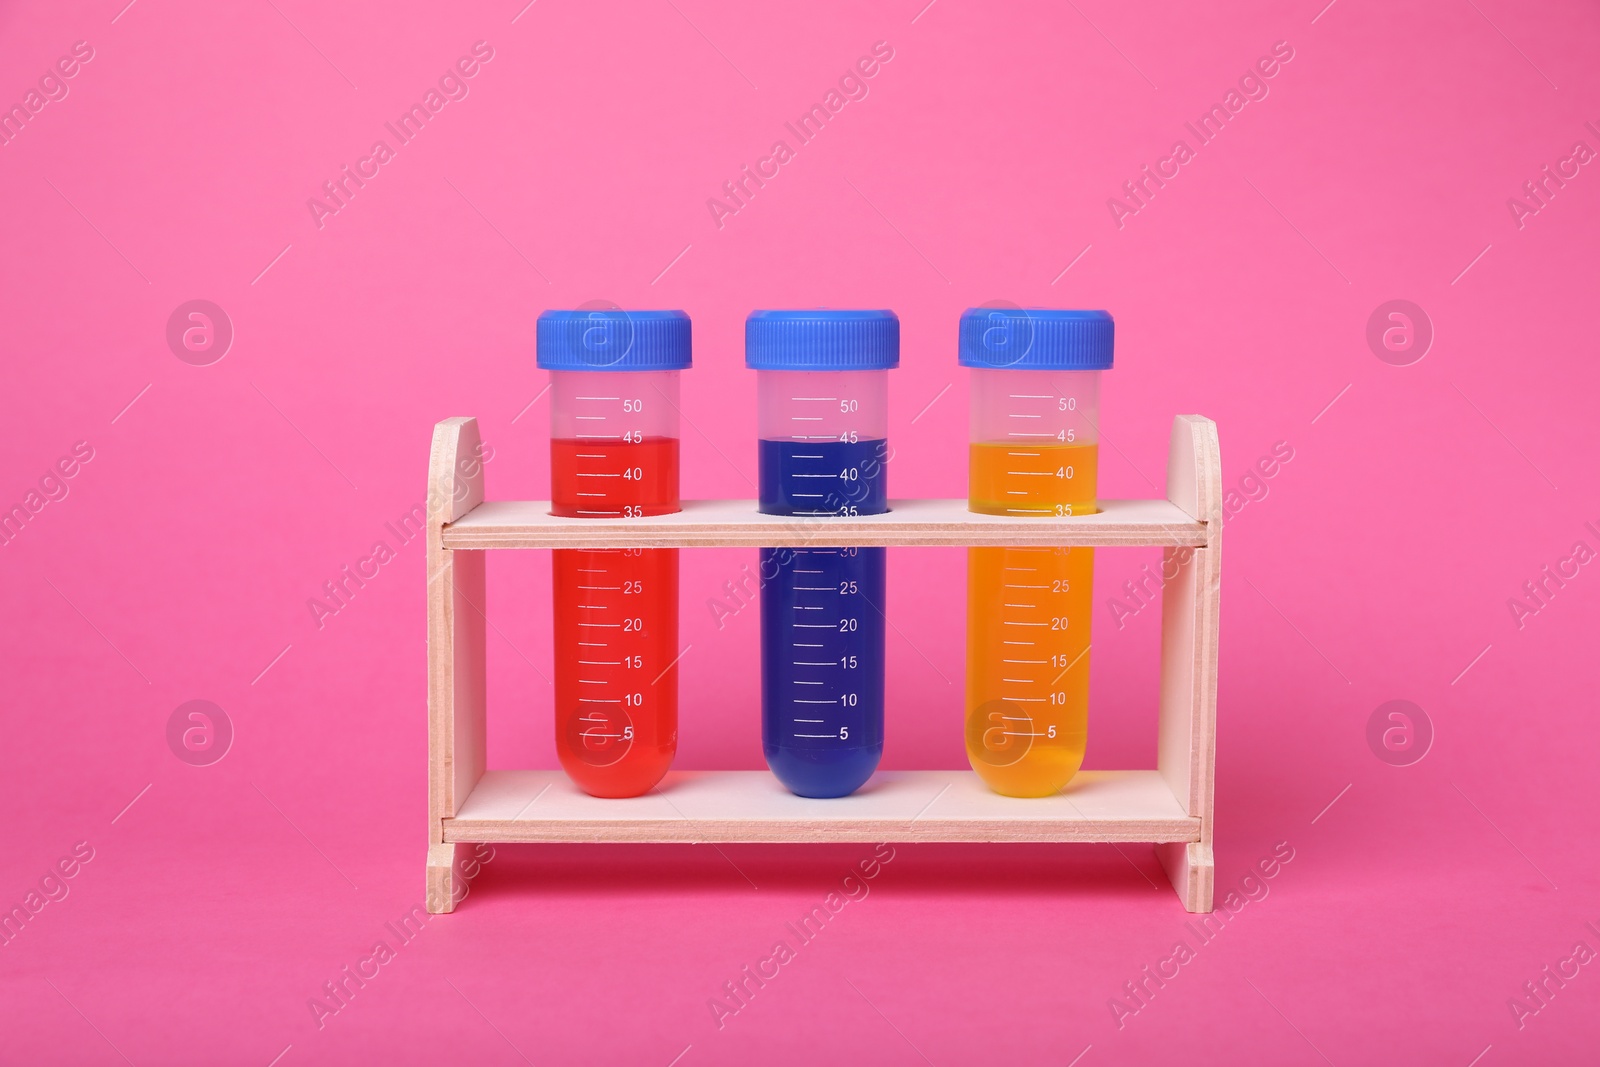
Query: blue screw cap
x=1036, y=339
x=613, y=340
x=822, y=339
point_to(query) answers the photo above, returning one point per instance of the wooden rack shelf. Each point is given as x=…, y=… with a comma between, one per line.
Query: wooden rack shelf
x=1170, y=806
x=737, y=524
x=700, y=806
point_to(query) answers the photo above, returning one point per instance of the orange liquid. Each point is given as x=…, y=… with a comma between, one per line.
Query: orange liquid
x=1043, y=480
x=1028, y=613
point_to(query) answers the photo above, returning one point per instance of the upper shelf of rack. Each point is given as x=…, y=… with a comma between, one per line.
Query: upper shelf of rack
x=736, y=523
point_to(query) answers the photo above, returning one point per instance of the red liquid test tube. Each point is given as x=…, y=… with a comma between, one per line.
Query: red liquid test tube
x=614, y=455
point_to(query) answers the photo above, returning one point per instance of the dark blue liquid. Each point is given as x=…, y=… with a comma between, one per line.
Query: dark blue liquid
x=822, y=667
x=824, y=477
x=822, y=623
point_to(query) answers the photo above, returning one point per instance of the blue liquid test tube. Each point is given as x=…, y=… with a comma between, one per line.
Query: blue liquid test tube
x=822, y=417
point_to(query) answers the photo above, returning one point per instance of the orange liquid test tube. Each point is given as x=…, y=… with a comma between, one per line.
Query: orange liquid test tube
x=1034, y=452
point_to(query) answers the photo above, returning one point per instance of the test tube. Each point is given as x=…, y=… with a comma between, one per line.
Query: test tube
x=822, y=392
x=1034, y=452
x=614, y=454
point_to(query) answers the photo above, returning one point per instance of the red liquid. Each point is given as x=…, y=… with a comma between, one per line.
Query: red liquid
x=616, y=621
x=594, y=480
x=616, y=684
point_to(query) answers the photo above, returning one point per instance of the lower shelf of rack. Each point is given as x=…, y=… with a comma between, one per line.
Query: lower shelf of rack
x=751, y=806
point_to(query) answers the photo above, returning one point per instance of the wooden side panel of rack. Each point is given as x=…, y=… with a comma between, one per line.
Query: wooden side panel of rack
x=1190, y=596
x=456, y=669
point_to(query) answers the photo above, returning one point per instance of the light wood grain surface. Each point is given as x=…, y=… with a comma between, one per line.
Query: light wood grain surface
x=731, y=806
x=736, y=523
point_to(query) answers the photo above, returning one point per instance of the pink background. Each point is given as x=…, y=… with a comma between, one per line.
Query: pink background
x=1377, y=566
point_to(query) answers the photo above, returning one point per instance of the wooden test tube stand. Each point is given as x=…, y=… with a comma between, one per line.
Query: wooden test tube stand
x=1170, y=806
